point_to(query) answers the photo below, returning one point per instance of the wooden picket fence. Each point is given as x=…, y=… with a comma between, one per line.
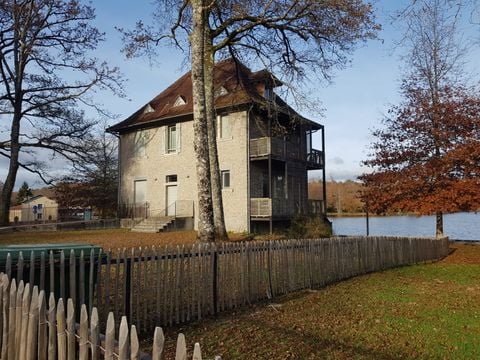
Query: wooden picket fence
x=164, y=286
x=29, y=331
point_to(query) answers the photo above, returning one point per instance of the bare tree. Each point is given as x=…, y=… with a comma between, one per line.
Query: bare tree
x=93, y=180
x=47, y=78
x=289, y=37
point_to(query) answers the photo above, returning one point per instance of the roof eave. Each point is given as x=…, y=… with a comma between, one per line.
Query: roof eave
x=116, y=130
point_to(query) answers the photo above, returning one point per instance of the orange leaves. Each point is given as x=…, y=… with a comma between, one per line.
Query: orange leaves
x=426, y=159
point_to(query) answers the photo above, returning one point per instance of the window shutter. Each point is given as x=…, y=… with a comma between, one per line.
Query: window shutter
x=179, y=136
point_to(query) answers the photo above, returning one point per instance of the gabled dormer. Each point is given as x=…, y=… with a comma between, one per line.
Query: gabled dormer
x=181, y=100
x=221, y=91
x=148, y=109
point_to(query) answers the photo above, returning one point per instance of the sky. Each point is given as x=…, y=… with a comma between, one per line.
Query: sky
x=353, y=103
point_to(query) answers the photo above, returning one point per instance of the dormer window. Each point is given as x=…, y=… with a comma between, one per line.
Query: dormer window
x=148, y=109
x=180, y=101
x=221, y=91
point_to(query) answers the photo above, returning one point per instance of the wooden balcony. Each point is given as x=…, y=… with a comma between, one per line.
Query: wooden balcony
x=315, y=160
x=261, y=148
x=264, y=146
x=265, y=208
x=260, y=207
x=316, y=207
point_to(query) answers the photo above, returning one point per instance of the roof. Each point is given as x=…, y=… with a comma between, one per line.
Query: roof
x=243, y=87
x=34, y=198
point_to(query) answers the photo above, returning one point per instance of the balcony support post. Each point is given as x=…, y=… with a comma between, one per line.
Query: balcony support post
x=324, y=184
x=270, y=174
x=270, y=191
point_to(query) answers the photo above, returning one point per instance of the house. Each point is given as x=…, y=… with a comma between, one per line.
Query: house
x=264, y=147
x=36, y=208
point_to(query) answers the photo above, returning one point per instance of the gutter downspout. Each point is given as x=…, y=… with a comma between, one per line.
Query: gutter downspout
x=249, y=215
x=119, y=171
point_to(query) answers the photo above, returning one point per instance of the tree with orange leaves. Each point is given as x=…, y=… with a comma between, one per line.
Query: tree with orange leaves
x=427, y=157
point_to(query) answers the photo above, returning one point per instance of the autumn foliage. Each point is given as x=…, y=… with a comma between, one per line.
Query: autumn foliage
x=426, y=158
x=342, y=196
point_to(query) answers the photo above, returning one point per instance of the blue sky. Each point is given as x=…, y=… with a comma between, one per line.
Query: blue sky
x=353, y=103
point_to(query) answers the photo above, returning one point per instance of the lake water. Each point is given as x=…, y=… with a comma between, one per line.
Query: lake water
x=464, y=226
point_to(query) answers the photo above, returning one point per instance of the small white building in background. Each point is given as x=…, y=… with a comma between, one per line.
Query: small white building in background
x=36, y=208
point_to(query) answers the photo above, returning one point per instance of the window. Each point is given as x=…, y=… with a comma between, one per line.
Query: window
x=171, y=178
x=224, y=127
x=171, y=139
x=180, y=101
x=148, y=109
x=221, y=91
x=139, y=144
x=225, y=179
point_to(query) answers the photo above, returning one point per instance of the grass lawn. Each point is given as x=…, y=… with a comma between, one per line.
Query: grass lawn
x=111, y=238
x=108, y=239
x=426, y=311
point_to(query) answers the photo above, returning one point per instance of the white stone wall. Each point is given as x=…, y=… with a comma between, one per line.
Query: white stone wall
x=49, y=210
x=154, y=164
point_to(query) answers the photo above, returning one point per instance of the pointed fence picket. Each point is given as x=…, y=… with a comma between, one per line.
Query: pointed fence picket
x=170, y=285
x=53, y=334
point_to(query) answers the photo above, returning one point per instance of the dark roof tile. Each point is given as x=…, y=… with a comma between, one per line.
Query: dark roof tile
x=240, y=82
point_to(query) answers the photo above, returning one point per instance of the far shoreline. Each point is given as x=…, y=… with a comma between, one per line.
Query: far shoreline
x=362, y=214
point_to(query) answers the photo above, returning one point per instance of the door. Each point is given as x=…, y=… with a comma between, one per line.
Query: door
x=171, y=199
x=140, y=198
x=140, y=192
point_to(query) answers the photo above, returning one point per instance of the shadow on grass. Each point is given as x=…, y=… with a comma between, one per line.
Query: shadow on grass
x=321, y=347
x=239, y=334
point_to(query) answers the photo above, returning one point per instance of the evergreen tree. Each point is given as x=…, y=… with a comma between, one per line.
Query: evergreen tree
x=24, y=193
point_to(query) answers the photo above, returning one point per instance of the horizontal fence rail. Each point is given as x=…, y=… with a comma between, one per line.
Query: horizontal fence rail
x=32, y=329
x=169, y=285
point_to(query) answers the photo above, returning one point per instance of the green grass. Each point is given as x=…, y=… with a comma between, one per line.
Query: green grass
x=419, y=312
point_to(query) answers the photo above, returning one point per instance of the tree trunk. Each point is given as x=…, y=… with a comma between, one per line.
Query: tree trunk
x=206, y=229
x=218, y=215
x=12, y=173
x=439, y=225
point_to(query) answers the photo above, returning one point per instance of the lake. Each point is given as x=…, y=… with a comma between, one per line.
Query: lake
x=464, y=226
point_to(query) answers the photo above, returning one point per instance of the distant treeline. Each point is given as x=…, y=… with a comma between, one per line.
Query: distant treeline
x=342, y=197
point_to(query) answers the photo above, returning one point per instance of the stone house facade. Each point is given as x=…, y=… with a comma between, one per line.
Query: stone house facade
x=264, y=150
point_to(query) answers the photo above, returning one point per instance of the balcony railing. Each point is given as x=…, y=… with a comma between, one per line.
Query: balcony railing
x=316, y=207
x=260, y=207
x=315, y=159
x=266, y=208
x=264, y=146
x=140, y=211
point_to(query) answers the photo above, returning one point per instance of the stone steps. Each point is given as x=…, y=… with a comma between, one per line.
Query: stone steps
x=153, y=225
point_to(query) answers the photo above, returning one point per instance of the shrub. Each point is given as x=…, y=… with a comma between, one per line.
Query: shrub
x=309, y=227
